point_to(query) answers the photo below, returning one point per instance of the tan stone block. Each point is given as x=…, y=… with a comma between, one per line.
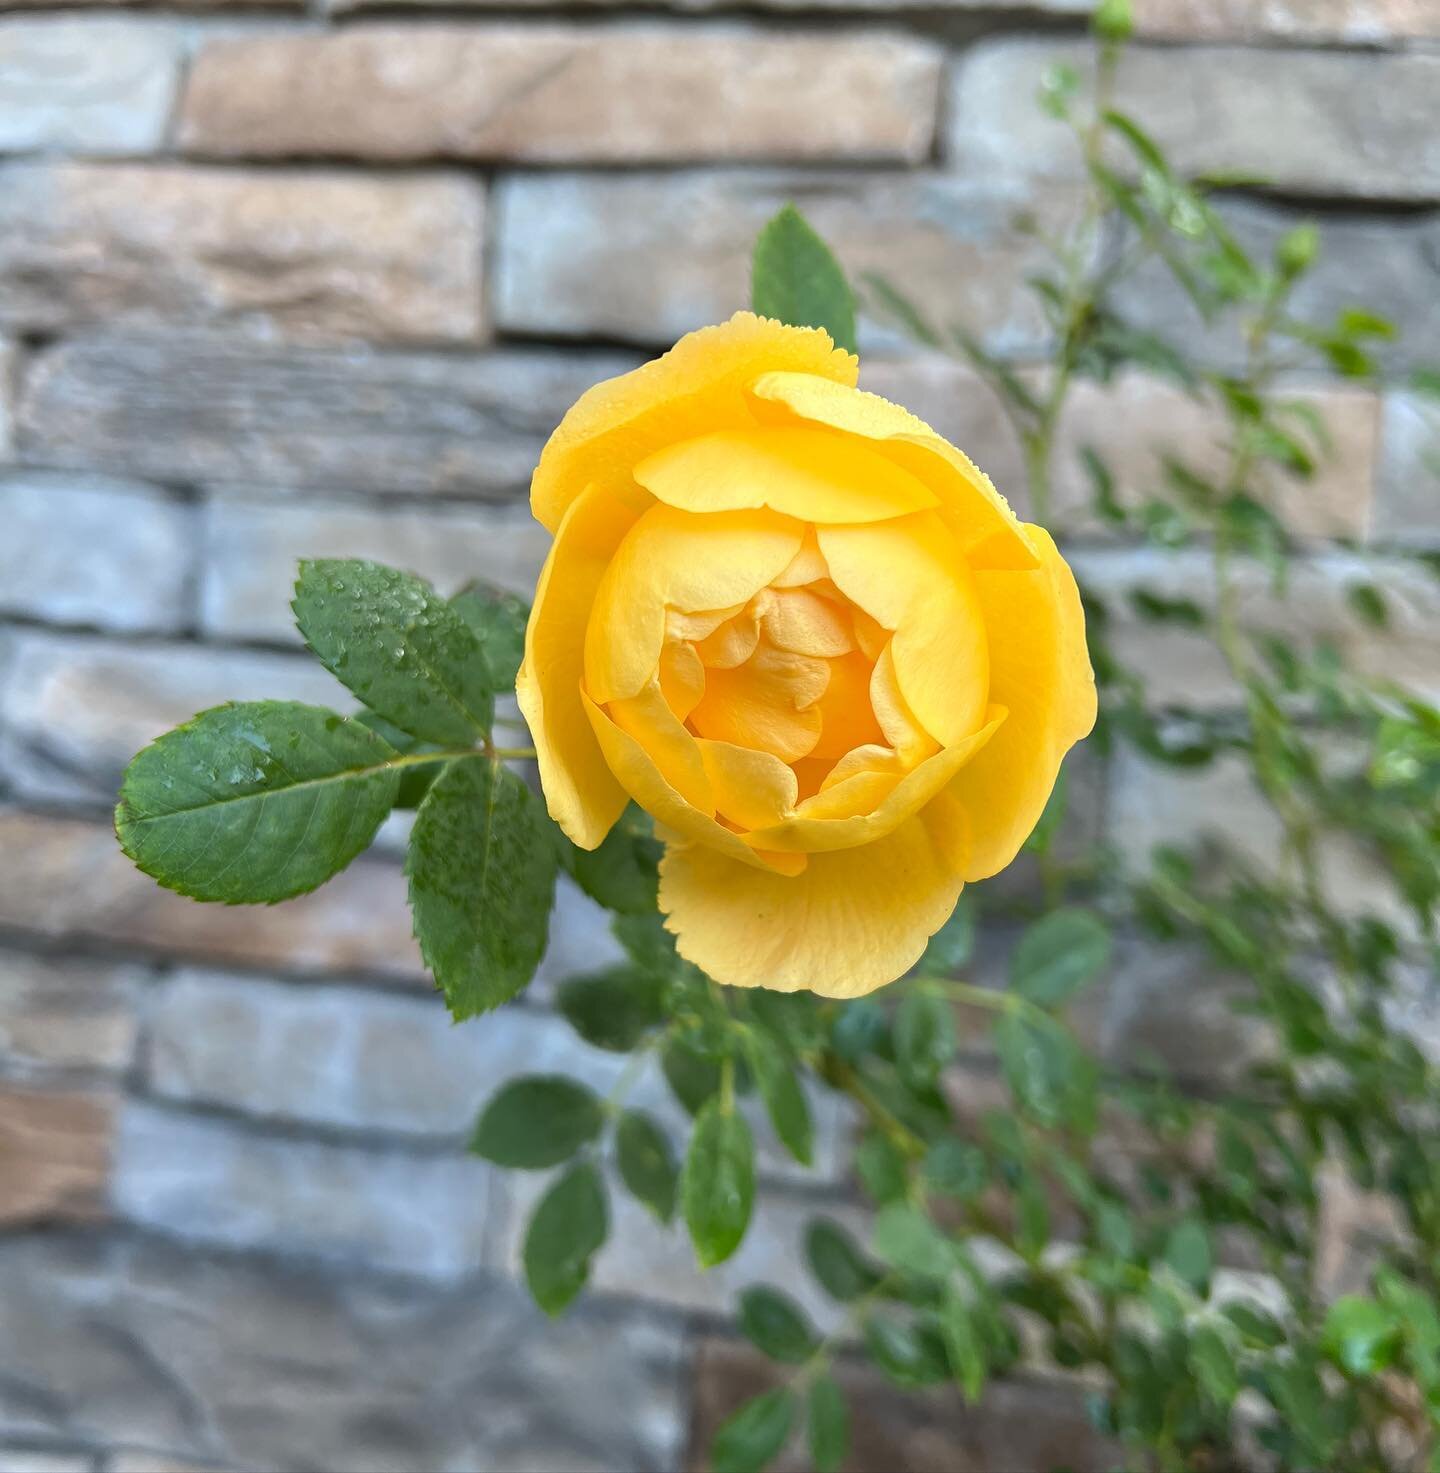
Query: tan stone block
x=54, y=1154
x=285, y=253
x=67, y=1013
x=558, y=92
x=1346, y=22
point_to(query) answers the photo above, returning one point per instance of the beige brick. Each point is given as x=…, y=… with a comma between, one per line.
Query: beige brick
x=199, y=408
x=67, y=1013
x=552, y=93
x=66, y=879
x=250, y=548
x=1349, y=22
x=96, y=84
x=645, y=257
x=1332, y=123
x=54, y=1154
x=290, y=253
x=87, y=550
x=1407, y=506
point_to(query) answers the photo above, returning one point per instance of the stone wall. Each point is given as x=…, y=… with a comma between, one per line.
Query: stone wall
x=299, y=281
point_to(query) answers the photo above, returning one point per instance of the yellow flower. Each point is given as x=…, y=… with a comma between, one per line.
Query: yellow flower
x=809, y=638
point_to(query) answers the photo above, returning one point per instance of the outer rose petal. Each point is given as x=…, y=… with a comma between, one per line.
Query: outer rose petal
x=854, y=920
x=696, y=388
x=1039, y=669
x=580, y=790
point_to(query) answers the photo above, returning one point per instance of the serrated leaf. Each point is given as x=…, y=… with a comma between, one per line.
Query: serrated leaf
x=255, y=802
x=613, y=1009
x=400, y=647
x=642, y=1152
x=795, y=279
x=414, y=781
x=829, y=1420
x=752, y=1437
x=717, y=1185
x=481, y=865
x=622, y=874
x=836, y=1261
x=776, y=1325
x=1058, y=955
x=569, y=1226
x=537, y=1121
x=785, y=1100
x=906, y=1239
x=964, y=1343
x=497, y=620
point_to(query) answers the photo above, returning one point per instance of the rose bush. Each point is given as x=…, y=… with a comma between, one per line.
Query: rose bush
x=810, y=639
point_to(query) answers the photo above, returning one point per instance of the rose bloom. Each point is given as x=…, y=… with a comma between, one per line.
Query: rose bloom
x=809, y=638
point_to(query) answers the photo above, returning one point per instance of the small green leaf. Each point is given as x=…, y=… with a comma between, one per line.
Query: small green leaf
x=837, y=1262
x=964, y=1344
x=881, y=1168
x=776, y=1325
x=481, y=865
x=924, y=1033
x=1361, y=1334
x=1214, y=1366
x=717, y=1185
x=256, y=802
x=1058, y=955
x=955, y=1169
x=910, y=1354
x=1257, y=1326
x=1048, y=1074
x=1187, y=1251
x=796, y=280
x=568, y=1228
x=1113, y=20
x=693, y=1078
x=829, y=1419
x=1297, y=249
x=497, y=620
x=753, y=1436
x=537, y=1121
x=1369, y=603
x=785, y=1100
x=613, y=1009
x=390, y=638
x=906, y=1239
x=621, y=874
x=650, y=945
x=642, y=1152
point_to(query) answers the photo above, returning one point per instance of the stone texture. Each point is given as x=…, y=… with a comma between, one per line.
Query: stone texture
x=97, y=85
x=1407, y=506
x=1389, y=264
x=66, y=1012
x=1324, y=122
x=43, y=1460
x=647, y=256
x=282, y=253
x=54, y=1154
x=233, y=1361
x=210, y=1182
x=85, y=550
x=1022, y=1422
x=554, y=93
x=66, y=879
x=1347, y=22
x=197, y=409
x=1131, y=422
x=74, y=710
x=250, y=546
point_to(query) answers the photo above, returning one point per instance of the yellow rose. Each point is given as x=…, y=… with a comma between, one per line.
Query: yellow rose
x=809, y=638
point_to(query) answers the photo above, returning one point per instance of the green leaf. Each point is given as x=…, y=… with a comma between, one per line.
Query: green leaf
x=622, y=873
x=837, y=1262
x=414, y=781
x=568, y=1228
x=908, y=1353
x=717, y=1186
x=1369, y=603
x=906, y=1239
x=390, y=638
x=1361, y=1334
x=796, y=280
x=924, y=1033
x=537, y=1121
x=951, y=946
x=1049, y=1076
x=776, y=1325
x=1187, y=1251
x=955, y=1169
x=881, y=1167
x=1113, y=20
x=964, y=1344
x=1058, y=955
x=829, y=1419
x=613, y=1009
x=1297, y=249
x=785, y=1100
x=693, y=1078
x=1256, y=1325
x=255, y=802
x=642, y=1152
x=650, y=945
x=497, y=620
x=481, y=866
x=753, y=1436
x=1214, y=1366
